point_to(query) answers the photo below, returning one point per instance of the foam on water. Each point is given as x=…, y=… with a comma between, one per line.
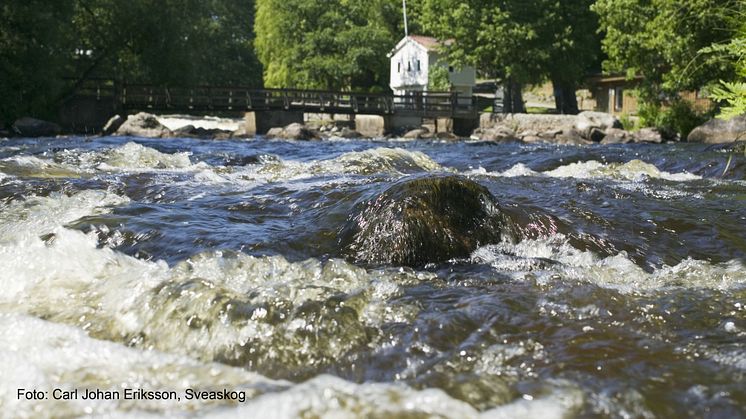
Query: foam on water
x=133, y=156
x=526, y=259
x=32, y=166
x=233, y=306
x=634, y=170
x=36, y=354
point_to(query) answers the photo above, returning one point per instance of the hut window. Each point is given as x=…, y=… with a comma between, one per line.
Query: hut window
x=450, y=69
x=418, y=65
x=398, y=67
x=409, y=66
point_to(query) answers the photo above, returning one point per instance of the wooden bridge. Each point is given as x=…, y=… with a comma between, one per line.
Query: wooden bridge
x=93, y=102
x=206, y=99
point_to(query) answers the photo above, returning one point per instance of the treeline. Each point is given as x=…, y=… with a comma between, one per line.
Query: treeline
x=47, y=47
x=340, y=44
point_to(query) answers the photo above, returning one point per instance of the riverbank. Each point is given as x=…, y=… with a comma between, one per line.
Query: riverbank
x=583, y=129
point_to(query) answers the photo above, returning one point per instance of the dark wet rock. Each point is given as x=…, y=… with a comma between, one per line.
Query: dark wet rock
x=349, y=133
x=718, y=131
x=143, y=125
x=422, y=220
x=32, y=127
x=294, y=131
x=596, y=135
x=112, y=125
x=649, y=135
x=190, y=131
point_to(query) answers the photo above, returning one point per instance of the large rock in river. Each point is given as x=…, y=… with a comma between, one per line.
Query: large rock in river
x=143, y=125
x=718, y=131
x=32, y=127
x=422, y=220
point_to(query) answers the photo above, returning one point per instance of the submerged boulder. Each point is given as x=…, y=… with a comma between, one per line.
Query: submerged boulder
x=718, y=131
x=422, y=220
x=143, y=125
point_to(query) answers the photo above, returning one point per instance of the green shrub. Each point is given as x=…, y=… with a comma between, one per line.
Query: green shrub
x=679, y=116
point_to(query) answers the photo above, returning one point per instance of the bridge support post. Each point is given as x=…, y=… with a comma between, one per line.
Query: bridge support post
x=259, y=122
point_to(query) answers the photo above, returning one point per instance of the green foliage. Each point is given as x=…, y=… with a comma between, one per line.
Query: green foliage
x=333, y=44
x=32, y=51
x=47, y=47
x=661, y=40
x=168, y=42
x=519, y=41
x=734, y=94
x=438, y=79
x=677, y=117
x=628, y=123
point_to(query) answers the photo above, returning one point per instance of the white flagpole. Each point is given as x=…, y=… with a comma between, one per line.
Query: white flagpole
x=406, y=29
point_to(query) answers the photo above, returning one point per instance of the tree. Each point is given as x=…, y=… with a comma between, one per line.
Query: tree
x=167, y=42
x=333, y=44
x=568, y=30
x=519, y=42
x=661, y=40
x=33, y=49
x=733, y=93
x=48, y=48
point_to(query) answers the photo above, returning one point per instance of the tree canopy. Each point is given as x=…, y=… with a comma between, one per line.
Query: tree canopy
x=661, y=41
x=519, y=41
x=47, y=46
x=330, y=44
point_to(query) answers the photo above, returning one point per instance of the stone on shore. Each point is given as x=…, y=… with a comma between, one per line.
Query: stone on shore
x=585, y=128
x=422, y=220
x=617, y=136
x=32, y=127
x=294, y=131
x=143, y=125
x=649, y=135
x=718, y=131
x=416, y=134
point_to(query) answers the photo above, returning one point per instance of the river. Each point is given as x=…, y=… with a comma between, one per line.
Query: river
x=175, y=264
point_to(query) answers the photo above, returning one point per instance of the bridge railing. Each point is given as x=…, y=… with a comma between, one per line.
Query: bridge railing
x=208, y=98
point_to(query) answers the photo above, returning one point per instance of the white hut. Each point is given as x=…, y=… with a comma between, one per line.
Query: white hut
x=412, y=60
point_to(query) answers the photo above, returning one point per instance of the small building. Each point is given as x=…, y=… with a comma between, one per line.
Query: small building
x=615, y=94
x=412, y=61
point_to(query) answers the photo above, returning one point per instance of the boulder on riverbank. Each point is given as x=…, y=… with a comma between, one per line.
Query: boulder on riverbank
x=718, y=131
x=422, y=220
x=32, y=127
x=294, y=131
x=143, y=125
x=585, y=128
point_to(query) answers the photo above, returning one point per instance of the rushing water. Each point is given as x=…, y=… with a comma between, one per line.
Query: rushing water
x=191, y=264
